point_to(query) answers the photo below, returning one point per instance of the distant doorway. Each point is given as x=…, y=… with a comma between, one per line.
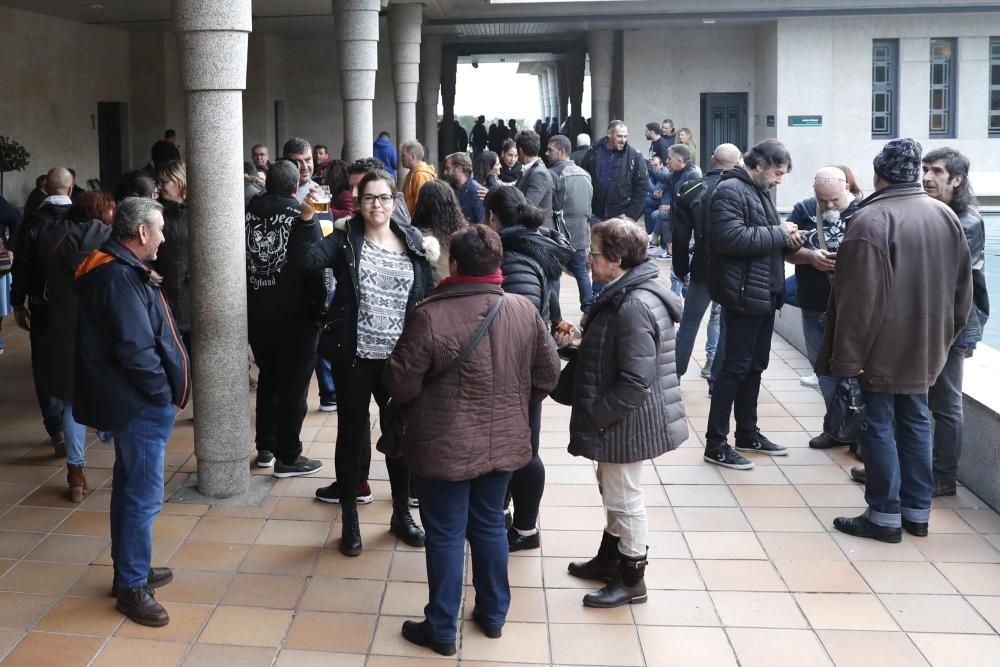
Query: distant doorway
x=111, y=126
x=723, y=121
x=279, y=128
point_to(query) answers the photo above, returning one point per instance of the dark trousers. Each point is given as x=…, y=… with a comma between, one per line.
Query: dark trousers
x=747, y=350
x=945, y=401
x=528, y=484
x=352, y=459
x=51, y=408
x=452, y=512
x=285, y=351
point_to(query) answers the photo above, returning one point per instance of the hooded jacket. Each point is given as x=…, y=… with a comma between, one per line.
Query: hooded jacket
x=533, y=259
x=619, y=180
x=689, y=221
x=573, y=194
x=421, y=174
x=27, y=274
x=626, y=396
x=474, y=420
x=128, y=348
x=384, y=150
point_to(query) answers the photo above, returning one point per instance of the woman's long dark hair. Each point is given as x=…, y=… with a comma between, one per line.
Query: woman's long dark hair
x=482, y=166
x=438, y=210
x=511, y=208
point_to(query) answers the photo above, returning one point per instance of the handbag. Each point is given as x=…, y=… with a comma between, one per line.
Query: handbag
x=394, y=415
x=847, y=413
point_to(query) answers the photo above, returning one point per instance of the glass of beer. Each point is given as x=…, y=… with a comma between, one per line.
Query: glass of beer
x=321, y=202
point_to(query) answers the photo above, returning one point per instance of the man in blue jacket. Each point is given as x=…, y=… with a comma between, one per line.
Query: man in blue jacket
x=131, y=370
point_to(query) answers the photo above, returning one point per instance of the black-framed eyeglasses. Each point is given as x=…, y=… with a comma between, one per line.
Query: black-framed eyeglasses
x=594, y=254
x=369, y=200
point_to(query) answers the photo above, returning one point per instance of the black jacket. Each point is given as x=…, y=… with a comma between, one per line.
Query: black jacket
x=626, y=396
x=533, y=260
x=688, y=213
x=10, y=222
x=128, y=349
x=510, y=174
x=747, y=247
x=623, y=190
x=28, y=274
x=341, y=251
x=813, y=287
x=173, y=262
x=535, y=183
x=278, y=240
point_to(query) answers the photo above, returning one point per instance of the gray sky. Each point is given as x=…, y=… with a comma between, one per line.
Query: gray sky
x=496, y=90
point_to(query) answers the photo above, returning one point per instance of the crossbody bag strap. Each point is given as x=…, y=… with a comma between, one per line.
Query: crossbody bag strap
x=467, y=350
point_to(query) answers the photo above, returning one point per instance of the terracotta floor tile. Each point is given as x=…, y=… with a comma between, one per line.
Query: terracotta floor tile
x=21, y=610
x=845, y=611
x=988, y=607
x=740, y=575
x=833, y=495
x=261, y=511
x=304, y=509
x=122, y=652
x=296, y=658
x=360, y=596
x=571, y=495
x=38, y=577
x=400, y=598
x=758, y=610
x=935, y=613
x=44, y=496
x=36, y=519
x=16, y=545
x=246, y=626
x=818, y=474
x=820, y=576
x=957, y=548
x=711, y=519
x=215, y=655
x=767, y=496
x=527, y=605
x=759, y=475
x=8, y=638
x=571, y=518
x=525, y=643
x=724, y=545
x=660, y=519
x=184, y=509
x=984, y=520
x=209, y=556
x=668, y=573
x=800, y=546
x=783, y=519
x=408, y=566
x=700, y=495
x=330, y=631
x=42, y=649
x=82, y=616
x=173, y=527
x=851, y=648
x=896, y=577
x=194, y=587
x=689, y=474
x=764, y=647
x=571, y=543
x=69, y=549
x=686, y=646
x=30, y=474
x=860, y=548
x=599, y=645
x=944, y=650
x=294, y=533
x=389, y=642
x=564, y=606
x=973, y=578
x=676, y=608
x=277, y=591
x=226, y=529
x=186, y=621
x=372, y=564
x=948, y=521
x=267, y=559
x=96, y=524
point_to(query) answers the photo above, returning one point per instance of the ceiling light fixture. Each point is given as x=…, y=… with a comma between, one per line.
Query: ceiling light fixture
x=708, y=21
x=96, y=7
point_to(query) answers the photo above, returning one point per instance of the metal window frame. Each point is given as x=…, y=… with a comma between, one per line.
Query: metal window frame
x=889, y=88
x=994, y=109
x=948, y=89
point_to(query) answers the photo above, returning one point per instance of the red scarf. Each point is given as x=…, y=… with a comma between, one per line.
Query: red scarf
x=496, y=278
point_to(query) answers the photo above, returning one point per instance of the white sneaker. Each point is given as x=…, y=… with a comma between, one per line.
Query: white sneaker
x=809, y=380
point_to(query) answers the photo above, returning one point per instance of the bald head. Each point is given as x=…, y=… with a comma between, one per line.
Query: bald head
x=830, y=186
x=726, y=156
x=59, y=181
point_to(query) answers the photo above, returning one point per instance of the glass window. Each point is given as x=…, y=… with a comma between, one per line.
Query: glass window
x=994, y=125
x=943, y=100
x=885, y=87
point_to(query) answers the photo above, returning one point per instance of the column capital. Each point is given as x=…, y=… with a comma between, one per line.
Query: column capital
x=212, y=41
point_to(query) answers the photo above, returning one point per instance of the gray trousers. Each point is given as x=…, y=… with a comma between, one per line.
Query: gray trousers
x=945, y=402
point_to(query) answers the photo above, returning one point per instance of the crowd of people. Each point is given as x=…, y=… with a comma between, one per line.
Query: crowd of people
x=440, y=302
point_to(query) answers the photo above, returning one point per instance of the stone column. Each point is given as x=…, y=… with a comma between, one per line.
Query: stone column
x=553, y=91
x=563, y=88
x=212, y=41
x=600, y=44
x=430, y=84
x=576, y=65
x=543, y=94
x=449, y=71
x=357, y=55
x=404, y=36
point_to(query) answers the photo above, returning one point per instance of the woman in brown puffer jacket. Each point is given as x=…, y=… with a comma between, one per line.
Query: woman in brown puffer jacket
x=467, y=430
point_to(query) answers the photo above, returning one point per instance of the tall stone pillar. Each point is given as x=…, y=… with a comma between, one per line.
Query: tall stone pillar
x=553, y=91
x=357, y=55
x=600, y=44
x=543, y=94
x=576, y=65
x=212, y=41
x=449, y=72
x=563, y=88
x=404, y=35
x=430, y=85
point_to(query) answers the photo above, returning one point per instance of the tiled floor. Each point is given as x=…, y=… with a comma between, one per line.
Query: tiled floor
x=745, y=568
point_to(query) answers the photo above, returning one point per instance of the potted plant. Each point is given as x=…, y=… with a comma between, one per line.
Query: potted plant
x=13, y=157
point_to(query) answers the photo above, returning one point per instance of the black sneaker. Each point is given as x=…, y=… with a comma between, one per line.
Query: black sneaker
x=328, y=404
x=265, y=459
x=723, y=455
x=825, y=441
x=412, y=500
x=518, y=542
x=761, y=445
x=298, y=467
x=331, y=493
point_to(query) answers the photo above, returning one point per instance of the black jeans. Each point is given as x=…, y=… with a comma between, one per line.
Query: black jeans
x=528, y=484
x=359, y=383
x=747, y=350
x=51, y=408
x=285, y=351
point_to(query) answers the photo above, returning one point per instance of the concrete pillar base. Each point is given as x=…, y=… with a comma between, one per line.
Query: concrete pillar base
x=257, y=491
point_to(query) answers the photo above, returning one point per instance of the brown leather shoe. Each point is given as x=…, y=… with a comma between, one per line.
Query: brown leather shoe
x=77, y=481
x=140, y=606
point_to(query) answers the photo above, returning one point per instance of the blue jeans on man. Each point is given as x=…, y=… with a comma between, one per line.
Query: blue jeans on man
x=137, y=491
x=452, y=512
x=696, y=302
x=897, y=449
x=578, y=268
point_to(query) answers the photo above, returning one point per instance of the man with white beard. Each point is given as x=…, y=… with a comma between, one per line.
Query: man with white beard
x=822, y=219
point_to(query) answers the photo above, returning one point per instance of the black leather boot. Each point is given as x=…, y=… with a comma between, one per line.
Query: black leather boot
x=631, y=589
x=404, y=527
x=603, y=566
x=157, y=577
x=350, y=532
x=140, y=605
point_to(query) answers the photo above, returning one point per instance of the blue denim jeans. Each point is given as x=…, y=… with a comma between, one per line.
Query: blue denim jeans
x=897, y=450
x=452, y=512
x=577, y=267
x=137, y=491
x=696, y=302
x=813, y=328
x=324, y=373
x=76, y=436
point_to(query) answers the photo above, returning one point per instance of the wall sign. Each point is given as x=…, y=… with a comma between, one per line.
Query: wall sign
x=805, y=121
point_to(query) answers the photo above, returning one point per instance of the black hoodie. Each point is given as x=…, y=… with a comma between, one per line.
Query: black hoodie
x=533, y=259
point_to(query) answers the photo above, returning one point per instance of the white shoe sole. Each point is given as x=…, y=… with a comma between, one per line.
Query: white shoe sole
x=297, y=473
x=269, y=464
x=328, y=408
x=732, y=466
x=362, y=500
x=783, y=452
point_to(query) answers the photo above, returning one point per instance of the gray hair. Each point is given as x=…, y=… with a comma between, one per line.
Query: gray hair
x=582, y=139
x=681, y=151
x=414, y=148
x=283, y=178
x=132, y=212
x=615, y=124
x=296, y=146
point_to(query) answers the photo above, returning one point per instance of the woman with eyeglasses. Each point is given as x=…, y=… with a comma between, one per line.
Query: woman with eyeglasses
x=173, y=260
x=382, y=272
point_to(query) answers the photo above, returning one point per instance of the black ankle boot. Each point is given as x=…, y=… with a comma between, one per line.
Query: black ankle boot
x=631, y=589
x=157, y=577
x=350, y=532
x=603, y=566
x=404, y=527
x=140, y=605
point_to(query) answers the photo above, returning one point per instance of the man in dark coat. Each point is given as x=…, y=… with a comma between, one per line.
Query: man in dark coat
x=748, y=241
x=619, y=175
